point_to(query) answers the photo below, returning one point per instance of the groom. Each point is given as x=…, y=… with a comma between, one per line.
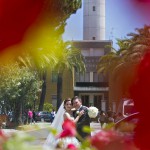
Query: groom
x=84, y=120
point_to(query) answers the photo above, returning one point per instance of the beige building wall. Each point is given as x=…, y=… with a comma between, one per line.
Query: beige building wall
x=51, y=87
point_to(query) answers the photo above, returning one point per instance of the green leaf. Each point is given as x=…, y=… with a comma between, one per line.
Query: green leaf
x=87, y=129
x=53, y=131
x=85, y=145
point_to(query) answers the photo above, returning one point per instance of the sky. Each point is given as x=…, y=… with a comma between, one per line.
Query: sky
x=122, y=17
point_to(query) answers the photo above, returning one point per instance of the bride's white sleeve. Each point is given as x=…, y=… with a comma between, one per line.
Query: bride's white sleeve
x=56, y=124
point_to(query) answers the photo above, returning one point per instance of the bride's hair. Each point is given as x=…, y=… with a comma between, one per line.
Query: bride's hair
x=66, y=100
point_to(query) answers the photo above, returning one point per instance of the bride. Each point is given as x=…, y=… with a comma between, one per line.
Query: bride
x=64, y=112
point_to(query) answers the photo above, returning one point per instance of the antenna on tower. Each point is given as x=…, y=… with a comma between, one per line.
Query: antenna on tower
x=111, y=34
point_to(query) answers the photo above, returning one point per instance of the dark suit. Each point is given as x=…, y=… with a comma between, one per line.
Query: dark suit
x=84, y=120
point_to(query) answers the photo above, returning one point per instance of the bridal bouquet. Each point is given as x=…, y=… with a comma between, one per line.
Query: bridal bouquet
x=92, y=112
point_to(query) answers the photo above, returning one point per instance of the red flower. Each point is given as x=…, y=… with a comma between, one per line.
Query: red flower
x=72, y=147
x=109, y=139
x=69, y=129
x=141, y=95
x=3, y=139
x=2, y=135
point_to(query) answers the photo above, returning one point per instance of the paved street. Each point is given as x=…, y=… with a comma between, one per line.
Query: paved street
x=40, y=134
x=38, y=130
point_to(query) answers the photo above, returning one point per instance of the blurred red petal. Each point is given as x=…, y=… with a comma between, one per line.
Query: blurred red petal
x=72, y=147
x=109, y=139
x=2, y=133
x=141, y=95
x=144, y=0
x=15, y=18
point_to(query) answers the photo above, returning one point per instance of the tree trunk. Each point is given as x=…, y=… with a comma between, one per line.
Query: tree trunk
x=59, y=90
x=17, y=113
x=42, y=97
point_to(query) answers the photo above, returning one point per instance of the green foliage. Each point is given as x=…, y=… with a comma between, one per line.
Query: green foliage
x=66, y=56
x=86, y=145
x=86, y=129
x=53, y=131
x=59, y=11
x=19, y=141
x=18, y=85
x=48, y=107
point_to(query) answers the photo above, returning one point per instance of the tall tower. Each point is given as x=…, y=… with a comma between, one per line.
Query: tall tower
x=93, y=19
x=92, y=86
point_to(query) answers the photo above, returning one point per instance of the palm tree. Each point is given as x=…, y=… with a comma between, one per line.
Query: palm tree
x=114, y=58
x=142, y=36
x=140, y=42
x=67, y=57
x=113, y=65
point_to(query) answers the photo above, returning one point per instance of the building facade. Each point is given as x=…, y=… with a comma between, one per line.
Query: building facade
x=92, y=86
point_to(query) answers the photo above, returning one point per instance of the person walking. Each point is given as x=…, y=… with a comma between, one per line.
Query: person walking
x=119, y=117
x=53, y=115
x=30, y=116
x=102, y=118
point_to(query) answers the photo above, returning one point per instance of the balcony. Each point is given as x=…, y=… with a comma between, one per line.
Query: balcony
x=91, y=84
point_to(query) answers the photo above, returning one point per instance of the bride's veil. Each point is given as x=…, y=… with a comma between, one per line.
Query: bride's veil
x=56, y=124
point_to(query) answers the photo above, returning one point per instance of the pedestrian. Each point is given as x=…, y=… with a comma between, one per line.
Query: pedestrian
x=53, y=115
x=102, y=118
x=119, y=117
x=30, y=116
x=110, y=118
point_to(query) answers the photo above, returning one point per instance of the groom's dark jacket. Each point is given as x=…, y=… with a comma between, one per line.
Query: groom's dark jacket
x=84, y=120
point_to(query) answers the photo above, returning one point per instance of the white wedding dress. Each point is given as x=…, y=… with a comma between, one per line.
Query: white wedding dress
x=52, y=141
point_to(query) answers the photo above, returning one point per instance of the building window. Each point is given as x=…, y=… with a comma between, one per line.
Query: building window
x=93, y=38
x=98, y=77
x=98, y=101
x=95, y=77
x=54, y=76
x=94, y=8
x=83, y=77
x=87, y=77
x=54, y=100
x=54, y=97
x=85, y=100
